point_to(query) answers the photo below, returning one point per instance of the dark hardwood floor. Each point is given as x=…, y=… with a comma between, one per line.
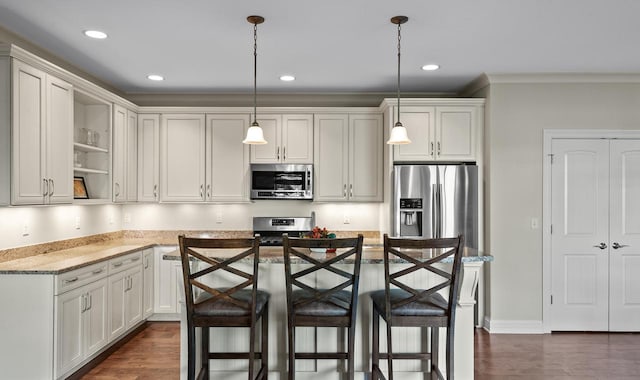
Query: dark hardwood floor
x=154, y=354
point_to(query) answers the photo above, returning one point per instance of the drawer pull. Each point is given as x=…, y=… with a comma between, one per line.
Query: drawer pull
x=135, y=259
x=118, y=264
x=71, y=280
x=98, y=271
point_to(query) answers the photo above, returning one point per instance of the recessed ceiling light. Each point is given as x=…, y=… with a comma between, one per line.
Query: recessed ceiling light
x=287, y=78
x=155, y=77
x=95, y=34
x=430, y=67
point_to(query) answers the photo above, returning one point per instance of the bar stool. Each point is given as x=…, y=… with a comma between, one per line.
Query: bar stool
x=230, y=306
x=404, y=306
x=312, y=306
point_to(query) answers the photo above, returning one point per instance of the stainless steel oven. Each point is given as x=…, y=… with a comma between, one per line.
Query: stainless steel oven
x=281, y=181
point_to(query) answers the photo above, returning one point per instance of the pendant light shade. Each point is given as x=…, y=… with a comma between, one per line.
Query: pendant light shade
x=254, y=136
x=254, y=133
x=399, y=132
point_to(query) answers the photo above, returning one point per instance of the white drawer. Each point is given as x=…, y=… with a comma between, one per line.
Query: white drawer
x=125, y=262
x=79, y=277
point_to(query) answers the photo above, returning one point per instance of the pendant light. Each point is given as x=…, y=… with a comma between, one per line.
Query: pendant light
x=254, y=133
x=399, y=132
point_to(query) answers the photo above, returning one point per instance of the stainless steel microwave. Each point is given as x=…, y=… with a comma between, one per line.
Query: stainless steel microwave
x=281, y=181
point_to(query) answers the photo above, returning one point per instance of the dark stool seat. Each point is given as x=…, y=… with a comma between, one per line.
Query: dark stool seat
x=335, y=305
x=400, y=305
x=317, y=306
x=206, y=306
x=241, y=304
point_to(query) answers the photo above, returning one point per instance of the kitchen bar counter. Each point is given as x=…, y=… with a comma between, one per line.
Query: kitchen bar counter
x=73, y=258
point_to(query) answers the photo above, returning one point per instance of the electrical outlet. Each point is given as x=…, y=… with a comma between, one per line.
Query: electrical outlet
x=127, y=218
x=110, y=219
x=25, y=229
x=219, y=217
x=346, y=219
x=77, y=223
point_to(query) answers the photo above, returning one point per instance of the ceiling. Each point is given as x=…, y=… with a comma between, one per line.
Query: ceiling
x=206, y=46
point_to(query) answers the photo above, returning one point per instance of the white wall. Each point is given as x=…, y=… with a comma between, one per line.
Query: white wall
x=362, y=216
x=518, y=115
x=50, y=223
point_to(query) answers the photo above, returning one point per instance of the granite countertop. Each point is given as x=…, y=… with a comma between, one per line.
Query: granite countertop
x=65, y=260
x=370, y=255
x=73, y=258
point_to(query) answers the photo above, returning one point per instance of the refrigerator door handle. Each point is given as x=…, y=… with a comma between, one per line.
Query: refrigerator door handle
x=441, y=209
x=434, y=211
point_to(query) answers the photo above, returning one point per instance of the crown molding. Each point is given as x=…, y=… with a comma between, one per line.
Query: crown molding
x=417, y=102
x=563, y=78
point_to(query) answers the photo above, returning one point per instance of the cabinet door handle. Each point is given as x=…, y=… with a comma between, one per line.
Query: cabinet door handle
x=438, y=148
x=284, y=153
x=45, y=187
x=146, y=262
x=278, y=153
x=351, y=190
x=202, y=191
x=117, y=189
x=90, y=302
x=83, y=303
x=155, y=191
x=431, y=154
x=52, y=187
x=209, y=191
x=344, y=190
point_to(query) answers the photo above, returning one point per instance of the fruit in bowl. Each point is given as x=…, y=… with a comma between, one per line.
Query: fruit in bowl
x=321, y=233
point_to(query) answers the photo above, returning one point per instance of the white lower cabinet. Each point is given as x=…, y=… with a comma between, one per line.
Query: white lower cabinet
x=147, y=278
x=168, y=286
x=81, y=323
x=125, y=301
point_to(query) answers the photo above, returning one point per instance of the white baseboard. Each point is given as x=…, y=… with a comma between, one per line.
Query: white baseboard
x=513, y=327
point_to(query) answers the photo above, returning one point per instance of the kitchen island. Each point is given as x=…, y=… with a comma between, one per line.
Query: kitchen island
x=271, y=278
x=88, y=273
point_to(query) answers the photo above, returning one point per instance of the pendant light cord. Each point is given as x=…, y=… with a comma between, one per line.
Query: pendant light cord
x=399, y=37
x=255, y=72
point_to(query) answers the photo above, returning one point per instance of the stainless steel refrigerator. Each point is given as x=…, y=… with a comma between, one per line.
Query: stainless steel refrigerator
x=436, y=201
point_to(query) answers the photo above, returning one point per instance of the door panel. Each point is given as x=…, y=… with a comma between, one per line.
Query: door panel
x=625, y=230
x=59, y=166
x=227, y=158
x=365, y=168
x=271, y=129
x=331, y=150
x=580, y=222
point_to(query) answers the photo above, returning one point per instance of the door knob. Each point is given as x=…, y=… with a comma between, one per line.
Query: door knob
x=601, y=246
x=615, y=245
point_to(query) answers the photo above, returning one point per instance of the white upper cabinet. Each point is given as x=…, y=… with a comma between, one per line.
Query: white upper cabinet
x=148, y=157
x=439, y=130
x=125, y=157
x=289, y=139
x=119, y=153
x=42, y=136
x=131, y=177
x=348, y=157
x=182, y=158
x=227, y=158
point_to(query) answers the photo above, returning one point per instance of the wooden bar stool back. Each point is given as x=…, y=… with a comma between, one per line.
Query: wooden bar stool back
x=311, y=305
x=400, y=305
x=239, y=303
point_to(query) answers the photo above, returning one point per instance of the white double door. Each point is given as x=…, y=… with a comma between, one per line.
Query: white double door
x=595, y=239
